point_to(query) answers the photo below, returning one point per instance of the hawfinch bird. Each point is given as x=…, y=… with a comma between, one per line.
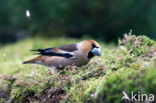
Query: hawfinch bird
x=68, y=55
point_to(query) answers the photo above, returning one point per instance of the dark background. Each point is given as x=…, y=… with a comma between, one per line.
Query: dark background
x=101, y=19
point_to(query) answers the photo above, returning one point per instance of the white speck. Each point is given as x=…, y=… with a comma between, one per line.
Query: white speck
x=27, y=13
x=123, y=48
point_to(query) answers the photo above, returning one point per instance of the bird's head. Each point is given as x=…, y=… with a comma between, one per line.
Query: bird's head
x=92, y=48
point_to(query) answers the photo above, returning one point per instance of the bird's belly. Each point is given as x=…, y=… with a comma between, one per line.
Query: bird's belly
x=61, y=62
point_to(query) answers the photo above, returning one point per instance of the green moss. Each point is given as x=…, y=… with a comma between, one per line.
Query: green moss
x=128, y=80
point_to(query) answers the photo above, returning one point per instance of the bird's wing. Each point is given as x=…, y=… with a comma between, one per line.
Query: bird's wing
x=66, y=51
x=69, y=47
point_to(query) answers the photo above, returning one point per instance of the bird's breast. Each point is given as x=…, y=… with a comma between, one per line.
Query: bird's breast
x=61, y=62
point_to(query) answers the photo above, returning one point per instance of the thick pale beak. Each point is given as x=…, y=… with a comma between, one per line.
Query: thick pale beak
x=96, y=51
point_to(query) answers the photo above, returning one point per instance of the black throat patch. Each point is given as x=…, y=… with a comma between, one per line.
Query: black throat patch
x=90, y=55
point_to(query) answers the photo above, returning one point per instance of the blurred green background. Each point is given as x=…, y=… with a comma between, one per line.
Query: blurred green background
x=101, y=19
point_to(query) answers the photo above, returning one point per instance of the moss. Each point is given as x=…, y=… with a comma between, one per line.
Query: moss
x=128, y=80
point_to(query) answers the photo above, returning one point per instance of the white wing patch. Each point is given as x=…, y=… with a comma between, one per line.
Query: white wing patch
x=70, y=53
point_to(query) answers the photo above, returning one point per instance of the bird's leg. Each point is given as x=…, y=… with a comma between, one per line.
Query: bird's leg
x=52, y=70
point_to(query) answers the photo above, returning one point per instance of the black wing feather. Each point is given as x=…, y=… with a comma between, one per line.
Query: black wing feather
x=48, y=52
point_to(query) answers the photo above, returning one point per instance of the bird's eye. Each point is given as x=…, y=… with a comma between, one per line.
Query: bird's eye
x=93, y=45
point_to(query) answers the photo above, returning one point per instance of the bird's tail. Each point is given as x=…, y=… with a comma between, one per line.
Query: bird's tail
x=27, y=62
x=37, y=60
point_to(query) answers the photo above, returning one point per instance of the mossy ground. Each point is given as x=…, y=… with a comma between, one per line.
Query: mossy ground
x=128, y=66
